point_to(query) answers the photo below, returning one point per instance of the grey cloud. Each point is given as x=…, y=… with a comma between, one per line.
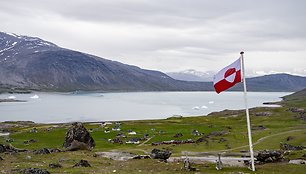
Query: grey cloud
x=144, y=32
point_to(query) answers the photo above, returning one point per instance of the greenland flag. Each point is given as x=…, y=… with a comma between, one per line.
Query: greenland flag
x=228, y=77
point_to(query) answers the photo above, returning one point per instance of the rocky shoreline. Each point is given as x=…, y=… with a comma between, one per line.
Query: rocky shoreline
x=11, y=100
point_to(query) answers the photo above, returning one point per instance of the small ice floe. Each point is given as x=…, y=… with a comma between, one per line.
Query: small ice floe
x=211, y=102
x=34, y=97
x=11, y=97
x=196, y=108
x=204, y=107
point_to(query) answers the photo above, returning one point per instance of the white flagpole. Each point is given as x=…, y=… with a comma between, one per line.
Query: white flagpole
x=247, y=113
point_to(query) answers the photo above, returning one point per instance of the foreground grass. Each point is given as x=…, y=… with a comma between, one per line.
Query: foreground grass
x=103, y=165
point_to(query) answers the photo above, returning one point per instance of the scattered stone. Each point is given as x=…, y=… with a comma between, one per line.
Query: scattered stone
x=217, y=133
x=121, y=135
x=228, y=146
x=30, y=141
x=297, y=162
x=55, y=165
x=133, y=141
x=141, y=157
x=160, y=154
x=296, y=110
x=178, y=135
x=28, y=157
x=196, y=132
x=146, y=136
x=264, y=114
x=285, y=146
x=34, y=130
x=300, y=113
x=229, y=127
x=78, y=133
x=1, y=159
x=259, y=127
x=289, y=138
x=55, y=150
x=222, y=140
x=117, y=140
x=42, y=151
x=34, y=171
x=82, y=163
x=2, y=148
x=268, y=156
x=202, y=139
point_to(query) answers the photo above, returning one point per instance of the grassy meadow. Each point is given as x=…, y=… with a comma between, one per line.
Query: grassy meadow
x=276, y=128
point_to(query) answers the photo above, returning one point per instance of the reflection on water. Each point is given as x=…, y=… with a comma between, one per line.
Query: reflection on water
x=67, y=107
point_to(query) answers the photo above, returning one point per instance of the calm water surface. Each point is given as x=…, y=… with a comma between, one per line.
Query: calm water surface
x=67, y=107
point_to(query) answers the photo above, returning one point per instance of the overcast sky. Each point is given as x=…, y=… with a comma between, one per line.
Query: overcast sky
x=170, y=35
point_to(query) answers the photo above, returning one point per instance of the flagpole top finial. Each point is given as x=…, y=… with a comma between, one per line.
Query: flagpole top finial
x=241, y=52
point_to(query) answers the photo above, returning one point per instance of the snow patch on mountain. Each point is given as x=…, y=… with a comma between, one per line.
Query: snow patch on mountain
x=192, y=75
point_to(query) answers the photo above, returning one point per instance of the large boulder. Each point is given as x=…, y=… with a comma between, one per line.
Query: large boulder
x=78, y=133
x=160, y=154
x=268, y=156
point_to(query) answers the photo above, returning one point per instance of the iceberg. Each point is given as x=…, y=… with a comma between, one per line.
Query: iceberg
x=35, y=96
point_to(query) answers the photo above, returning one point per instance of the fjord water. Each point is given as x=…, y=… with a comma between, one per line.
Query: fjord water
x=68, y=107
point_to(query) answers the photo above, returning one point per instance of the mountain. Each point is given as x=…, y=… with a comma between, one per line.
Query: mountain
x=192, y=75
x=32, y=63
x=275, y=82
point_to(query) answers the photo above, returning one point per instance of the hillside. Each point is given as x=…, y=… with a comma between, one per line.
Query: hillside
x=32, y=63
x=274, y=82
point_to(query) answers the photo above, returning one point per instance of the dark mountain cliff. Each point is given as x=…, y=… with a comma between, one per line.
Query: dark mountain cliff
x=32, y=63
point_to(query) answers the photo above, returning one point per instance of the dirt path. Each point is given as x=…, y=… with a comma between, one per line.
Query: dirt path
x=146, y=141
x=257, y=142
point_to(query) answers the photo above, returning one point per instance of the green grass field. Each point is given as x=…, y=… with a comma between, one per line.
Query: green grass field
x=278, y=126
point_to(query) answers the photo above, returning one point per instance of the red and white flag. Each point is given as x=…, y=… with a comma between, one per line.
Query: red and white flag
x=228, y=77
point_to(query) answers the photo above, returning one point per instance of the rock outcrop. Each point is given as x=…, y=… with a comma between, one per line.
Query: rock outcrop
x=285, y=146
x=42, y=151
x=10, y=149
x=268, y=156
x=78, y=138
x=82, y=163
x=160, y=154
x=55, y=165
